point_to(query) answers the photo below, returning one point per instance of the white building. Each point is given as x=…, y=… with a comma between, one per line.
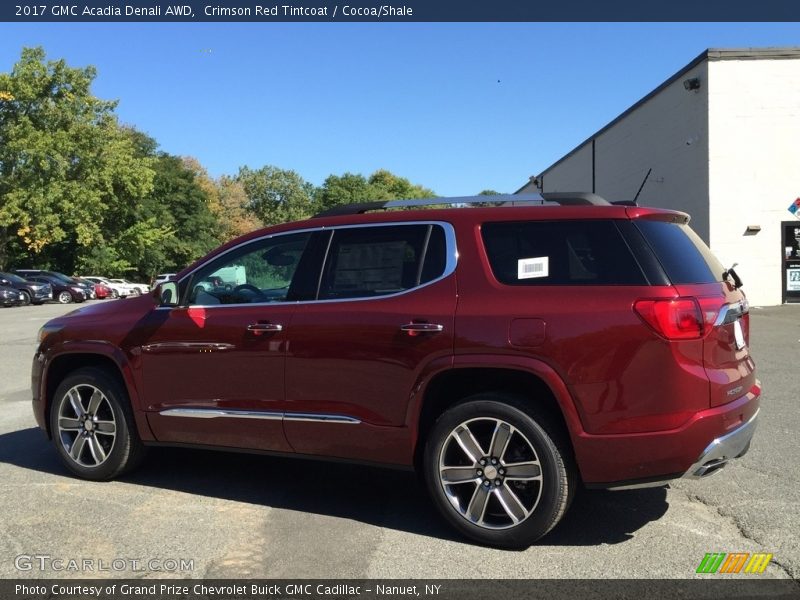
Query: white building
x=722, y=137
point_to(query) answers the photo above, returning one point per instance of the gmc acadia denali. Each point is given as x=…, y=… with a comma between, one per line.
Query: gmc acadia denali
x=506, y=347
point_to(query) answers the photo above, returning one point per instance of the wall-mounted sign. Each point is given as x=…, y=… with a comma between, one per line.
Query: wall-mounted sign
x=793, y=279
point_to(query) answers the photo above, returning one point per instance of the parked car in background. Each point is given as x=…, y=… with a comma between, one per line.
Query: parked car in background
x=161, y=278
x=32, y=292
x=86, y=287
x=64, y=291
x=102, y=291
x=10, y=296
x=115, y=290
x=132, y=289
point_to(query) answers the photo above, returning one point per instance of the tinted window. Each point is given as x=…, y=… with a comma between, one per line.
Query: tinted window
x=560, y=253
x=375, y=261
x=684, y=256
x=256, y=272
x=11, y=277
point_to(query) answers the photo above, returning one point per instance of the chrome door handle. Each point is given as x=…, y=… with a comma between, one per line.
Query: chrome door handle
x=414, y=328
x=259, y=328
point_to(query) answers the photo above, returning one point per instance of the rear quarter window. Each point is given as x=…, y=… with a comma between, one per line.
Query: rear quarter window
x=560, y=253
x=684, y=256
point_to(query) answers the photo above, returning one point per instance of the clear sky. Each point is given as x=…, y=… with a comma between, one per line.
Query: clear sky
x=455, y=107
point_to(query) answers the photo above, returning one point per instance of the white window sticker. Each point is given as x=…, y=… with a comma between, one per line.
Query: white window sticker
x=528, y=268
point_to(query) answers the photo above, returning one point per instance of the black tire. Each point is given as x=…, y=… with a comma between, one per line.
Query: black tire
x=135, y=292
x=114, y=294
x=121, y=452
x=64, y=297
x=531, y=436
x=26, y=297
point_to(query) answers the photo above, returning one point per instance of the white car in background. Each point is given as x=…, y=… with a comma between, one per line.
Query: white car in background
x=133, y=289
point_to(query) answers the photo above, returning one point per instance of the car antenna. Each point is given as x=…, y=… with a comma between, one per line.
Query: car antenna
x=636, y=197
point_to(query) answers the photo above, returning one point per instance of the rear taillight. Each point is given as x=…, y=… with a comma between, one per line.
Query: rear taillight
x=685, y=318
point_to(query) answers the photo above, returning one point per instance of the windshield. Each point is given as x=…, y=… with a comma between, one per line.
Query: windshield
x=62, y=277
x=12, y=277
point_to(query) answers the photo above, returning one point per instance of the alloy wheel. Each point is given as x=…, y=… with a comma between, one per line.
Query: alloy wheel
x=65, y=297
x=86, y=425
x=490, y=473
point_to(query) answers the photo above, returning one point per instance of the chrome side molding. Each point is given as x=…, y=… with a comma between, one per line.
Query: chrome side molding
x=215, y=413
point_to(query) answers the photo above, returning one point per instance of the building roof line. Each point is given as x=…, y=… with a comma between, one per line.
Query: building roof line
x=710, y=54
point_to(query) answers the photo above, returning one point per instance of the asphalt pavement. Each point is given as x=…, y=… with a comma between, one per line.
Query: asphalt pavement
x=224, y=515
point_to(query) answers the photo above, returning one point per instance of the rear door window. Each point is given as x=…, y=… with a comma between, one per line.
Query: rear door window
x=364, y=262
x=560, y=253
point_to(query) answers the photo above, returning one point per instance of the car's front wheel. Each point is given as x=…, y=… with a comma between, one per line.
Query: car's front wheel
x=93, y=427
x=26, y=297
x=499, y=472
x=64, y=297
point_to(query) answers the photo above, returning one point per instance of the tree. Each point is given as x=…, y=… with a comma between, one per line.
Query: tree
x=234, y=215
x=489, y=193
x=276, y=195
x=63, y=161
x=352, y=188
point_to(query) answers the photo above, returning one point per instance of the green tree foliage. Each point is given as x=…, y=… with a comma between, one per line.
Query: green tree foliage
x=63, y=161
x=489, y=193
x=233, y=211
x=276, y=195
x=381, y=185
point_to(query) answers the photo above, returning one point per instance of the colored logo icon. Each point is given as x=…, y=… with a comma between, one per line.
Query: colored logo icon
x=736, y=562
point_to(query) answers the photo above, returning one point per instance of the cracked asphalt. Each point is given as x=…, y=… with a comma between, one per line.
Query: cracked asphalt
x=237, y=515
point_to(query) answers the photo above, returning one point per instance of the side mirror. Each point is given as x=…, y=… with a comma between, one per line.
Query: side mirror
x=167, y=293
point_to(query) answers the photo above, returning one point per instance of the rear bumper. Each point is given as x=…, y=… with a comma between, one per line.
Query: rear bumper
x=724, y=449
x=709, y=440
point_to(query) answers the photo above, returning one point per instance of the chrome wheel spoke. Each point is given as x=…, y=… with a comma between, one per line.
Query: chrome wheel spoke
x=75, y=402
x=468, y=443
x=97, y=450
x=455, y=475
x=67, y=424
x=477, y=504
x=77, y=448
x=524, y=471
x=94, y=402
x=500, y=438
x=511, y=504
x=105, y=427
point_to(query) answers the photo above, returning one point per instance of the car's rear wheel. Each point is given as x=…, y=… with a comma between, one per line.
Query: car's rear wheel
x=26, y=297
x=498, y=471
x=64, y=297
x=93, y=427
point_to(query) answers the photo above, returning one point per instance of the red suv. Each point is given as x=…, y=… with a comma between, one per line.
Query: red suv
x=507, y=351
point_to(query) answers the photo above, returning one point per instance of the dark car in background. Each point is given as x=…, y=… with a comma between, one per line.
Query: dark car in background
x=64, y=290
x=32, y=292
x=10, y=296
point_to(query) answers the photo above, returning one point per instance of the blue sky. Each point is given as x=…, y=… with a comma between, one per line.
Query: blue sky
x=456, y=107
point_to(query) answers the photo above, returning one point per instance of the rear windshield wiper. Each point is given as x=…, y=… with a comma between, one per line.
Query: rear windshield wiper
x=737, y=281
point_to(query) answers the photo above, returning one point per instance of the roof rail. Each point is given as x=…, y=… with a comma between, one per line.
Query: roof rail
x=560, y=198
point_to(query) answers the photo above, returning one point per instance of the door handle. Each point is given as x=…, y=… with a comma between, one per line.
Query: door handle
x=417, y=328
x=259, y=328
